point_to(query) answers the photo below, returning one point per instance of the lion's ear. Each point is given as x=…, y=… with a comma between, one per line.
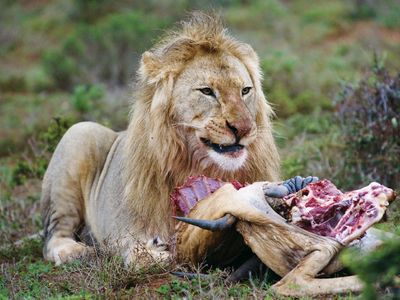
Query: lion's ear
x=169, y=60
x=154, y=72
x=150, y=68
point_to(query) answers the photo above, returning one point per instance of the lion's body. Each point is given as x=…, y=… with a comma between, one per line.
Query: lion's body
x=118, y=184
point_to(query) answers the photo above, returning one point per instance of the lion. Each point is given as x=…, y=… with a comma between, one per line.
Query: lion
x=198, y=109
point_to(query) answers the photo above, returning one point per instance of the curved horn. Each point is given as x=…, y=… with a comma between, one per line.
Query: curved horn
x=224, y=223
x=189, y=275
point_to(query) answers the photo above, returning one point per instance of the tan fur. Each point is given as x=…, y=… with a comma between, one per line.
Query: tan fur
x=118, y=184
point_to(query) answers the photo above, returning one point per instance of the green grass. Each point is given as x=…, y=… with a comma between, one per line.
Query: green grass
x=26, y=275
x=306, y=53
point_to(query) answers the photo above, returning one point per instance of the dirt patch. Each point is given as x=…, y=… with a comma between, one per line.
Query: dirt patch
x=362, y=31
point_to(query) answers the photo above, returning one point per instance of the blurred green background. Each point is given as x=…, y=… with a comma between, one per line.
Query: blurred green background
x=331, y=71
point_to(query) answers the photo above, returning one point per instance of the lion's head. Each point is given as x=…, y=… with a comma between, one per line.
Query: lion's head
x=199, y=109
x=214, y=100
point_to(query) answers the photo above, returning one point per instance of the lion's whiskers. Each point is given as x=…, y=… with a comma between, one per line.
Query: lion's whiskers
x=186, y=125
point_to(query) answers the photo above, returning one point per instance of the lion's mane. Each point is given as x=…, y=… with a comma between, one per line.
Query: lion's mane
x=156, y=157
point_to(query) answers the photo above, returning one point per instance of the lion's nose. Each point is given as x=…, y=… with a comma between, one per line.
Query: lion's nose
x=239, y=128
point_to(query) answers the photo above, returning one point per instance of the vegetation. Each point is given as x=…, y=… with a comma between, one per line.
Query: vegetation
x=331, y=72
x=378, y=269
x=103, y=51
x=369, y=115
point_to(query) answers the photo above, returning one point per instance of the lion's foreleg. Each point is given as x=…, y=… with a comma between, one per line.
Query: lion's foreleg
x=62, y=202
x=62, y=218
x=142, y=253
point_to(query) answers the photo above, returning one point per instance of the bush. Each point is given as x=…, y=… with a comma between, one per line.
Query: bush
x=49, y=138
x=102, y=52
x=377, y=269
x=84, y=97
x=34, y=166
x=386, y=12
x=369, y=115
x=60, y=68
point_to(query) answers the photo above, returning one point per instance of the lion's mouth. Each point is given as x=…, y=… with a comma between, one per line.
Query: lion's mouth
x=222, y=148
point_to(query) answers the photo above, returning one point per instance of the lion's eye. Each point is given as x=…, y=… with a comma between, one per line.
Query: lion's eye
x=207, y=91
x=246, y=90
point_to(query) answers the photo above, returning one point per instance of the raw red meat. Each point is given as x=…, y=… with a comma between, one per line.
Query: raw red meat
x=195, y=189
x=319, y=207
x=323, y=209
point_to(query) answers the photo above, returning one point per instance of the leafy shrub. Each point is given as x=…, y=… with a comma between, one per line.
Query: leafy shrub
x=49, y=138
x=102, y=52
x=386, y=12
x=84, y=97
x=369, y=115
x=377, y=269
x=26, y=169
x=60, y=68
x=35, y=166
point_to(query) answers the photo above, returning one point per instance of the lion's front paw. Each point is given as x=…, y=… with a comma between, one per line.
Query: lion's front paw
x=158, y=250
x=154, y=251
x=161, y=256
x=63, y=250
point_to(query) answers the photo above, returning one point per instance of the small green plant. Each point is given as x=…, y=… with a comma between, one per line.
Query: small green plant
x=175, y=287
x=60, y=68
x=84, y=97
x=35, y=165
x=26, y=248
x=213, y=286
x=54, y=132
x=25, y=170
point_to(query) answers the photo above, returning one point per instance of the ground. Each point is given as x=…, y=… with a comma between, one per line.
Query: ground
x=48, y=81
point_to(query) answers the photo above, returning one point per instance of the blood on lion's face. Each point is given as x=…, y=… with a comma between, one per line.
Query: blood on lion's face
x=215, y=103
